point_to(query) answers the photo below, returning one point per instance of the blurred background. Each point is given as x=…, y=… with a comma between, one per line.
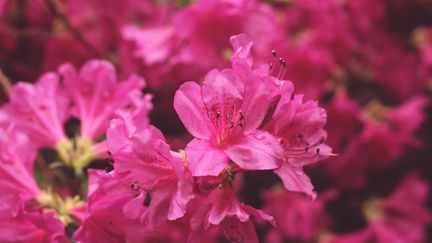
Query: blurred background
x=368, y=62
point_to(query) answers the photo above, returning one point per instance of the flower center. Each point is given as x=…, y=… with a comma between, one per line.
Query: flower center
x=372, y=210
x=76, y=152
x=62, y=207
x=224, y=124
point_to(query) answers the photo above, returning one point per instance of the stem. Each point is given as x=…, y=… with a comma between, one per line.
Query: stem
x=57, y=10
x=5, y=83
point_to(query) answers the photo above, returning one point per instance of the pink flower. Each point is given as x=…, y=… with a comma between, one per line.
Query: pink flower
x=104, y=220
x=224, y=115
x=19, y=224
x=16, y=165
x=185, y=40
x=394, y=219
x=148, y=170
x=39, y=110
x=299, y=127
x=382, y=134
x=20, y=220
x=222, y=208
x=297, y=217
x=96, y=92
x=154, y=45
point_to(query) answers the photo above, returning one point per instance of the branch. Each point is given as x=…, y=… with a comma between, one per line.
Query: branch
x=57, y=10
x=5, y=83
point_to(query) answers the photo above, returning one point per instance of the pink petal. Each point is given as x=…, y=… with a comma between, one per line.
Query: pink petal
x=259, y=214
x=237, y=231
x=180, y=199
x=205, y=160
x=294, y=179
x=256, y=104
x=242, y=46
x=221, y=91
x=256, y=151
x=190, y=108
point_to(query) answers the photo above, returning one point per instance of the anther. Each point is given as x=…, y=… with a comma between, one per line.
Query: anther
x=231, y=125
x=242, y=116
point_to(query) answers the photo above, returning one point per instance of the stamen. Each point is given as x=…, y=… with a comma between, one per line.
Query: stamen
x=147, y=200
x=278, y=69
x=241, y=120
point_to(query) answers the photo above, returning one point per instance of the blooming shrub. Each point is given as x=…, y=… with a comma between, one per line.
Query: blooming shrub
x=215, y=121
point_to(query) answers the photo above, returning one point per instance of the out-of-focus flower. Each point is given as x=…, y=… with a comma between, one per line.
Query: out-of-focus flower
x=148, y=170
x=40, y=110
x=297, y=218
x=103, y=219
x=200, y=31
x=376, y=137
x=222, y=208
x=393, y=218
x=92, y=96
x=27, y=213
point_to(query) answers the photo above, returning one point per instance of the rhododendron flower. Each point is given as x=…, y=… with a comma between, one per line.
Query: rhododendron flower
x=91, y=95
x=96, y=92
x=19, y=219
x=299, y=127
x=16, y=169
x=173, y=46
x=147, y=168
x=104, y=220
x=222, y=208
x=39, y=110
x=18, y=224
x=296, y=216
x=381, y=134
x=393, y=219
x=224, y=115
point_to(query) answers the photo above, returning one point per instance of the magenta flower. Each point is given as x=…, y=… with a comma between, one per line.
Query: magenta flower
x=103, y=219
x=376, y=137
x=224, y=115
x=394, y=219
x=16, y=165
x=20, y=220
x=222, y=208
x=91, y=95
x=39, y=110
x=296, y=216
x=19, y=224
x=147, y=169
x=299, y=127
x=96, y=93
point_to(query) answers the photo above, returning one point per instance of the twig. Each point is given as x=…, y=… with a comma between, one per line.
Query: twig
x=5, y=83
x=57, y=10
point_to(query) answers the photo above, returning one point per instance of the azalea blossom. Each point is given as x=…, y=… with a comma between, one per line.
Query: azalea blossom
x=147, y=168
x=224, y=116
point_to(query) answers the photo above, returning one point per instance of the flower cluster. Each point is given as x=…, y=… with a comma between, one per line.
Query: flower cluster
x=110, y=141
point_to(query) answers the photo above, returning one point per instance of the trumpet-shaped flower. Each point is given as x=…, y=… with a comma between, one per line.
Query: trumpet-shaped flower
x=153, y=176
x=224, y=115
